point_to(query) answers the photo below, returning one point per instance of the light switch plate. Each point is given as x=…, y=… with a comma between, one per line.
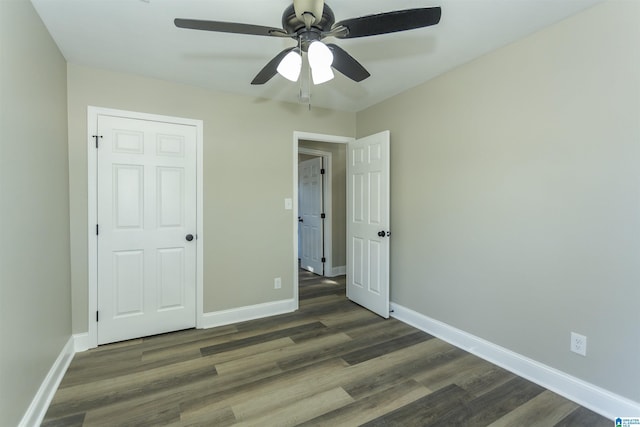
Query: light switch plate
x=288, y=204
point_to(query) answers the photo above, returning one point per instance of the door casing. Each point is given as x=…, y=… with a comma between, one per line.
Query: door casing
x=91, y=338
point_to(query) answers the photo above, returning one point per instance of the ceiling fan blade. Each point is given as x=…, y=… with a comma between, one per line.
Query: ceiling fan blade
x=230, y=27
x=271, y=69
x=390, y=22
x=347, y=64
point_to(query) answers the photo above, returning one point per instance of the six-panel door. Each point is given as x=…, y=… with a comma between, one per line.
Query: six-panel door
x=146, y=209
x=368, y=222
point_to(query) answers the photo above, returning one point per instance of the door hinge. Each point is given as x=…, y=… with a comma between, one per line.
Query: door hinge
x=97, y=137
x=323, y=216
x=324, y=259
x=97, y=316
x=97, y=229
x=322, y=171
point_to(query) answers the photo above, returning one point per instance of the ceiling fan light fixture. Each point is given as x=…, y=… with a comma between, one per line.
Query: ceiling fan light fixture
x=309, y=22
x=290, y=66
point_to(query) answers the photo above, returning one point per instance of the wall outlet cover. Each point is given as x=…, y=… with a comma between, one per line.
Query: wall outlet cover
x=578, y=344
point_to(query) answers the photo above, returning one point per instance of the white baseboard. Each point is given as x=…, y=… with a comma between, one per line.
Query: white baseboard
x=40, y=403
x=338, y=271
x=82, y=342
x=242, y=314
x=597, y=399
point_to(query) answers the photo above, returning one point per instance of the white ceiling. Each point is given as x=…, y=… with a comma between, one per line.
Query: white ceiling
x=138, y=36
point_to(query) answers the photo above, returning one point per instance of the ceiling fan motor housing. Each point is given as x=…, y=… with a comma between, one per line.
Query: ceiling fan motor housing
x=294, y=25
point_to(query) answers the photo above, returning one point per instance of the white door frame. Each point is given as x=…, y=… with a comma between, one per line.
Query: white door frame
x=327, y=195
x=317, y=137
x=92, y=179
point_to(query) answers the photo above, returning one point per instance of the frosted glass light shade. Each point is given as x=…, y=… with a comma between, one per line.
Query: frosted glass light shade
x=320, y=60
x=321, y=75
x=320, y=55
x=290, y=66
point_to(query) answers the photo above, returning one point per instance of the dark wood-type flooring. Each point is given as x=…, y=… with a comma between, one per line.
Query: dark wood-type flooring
x=331, y=363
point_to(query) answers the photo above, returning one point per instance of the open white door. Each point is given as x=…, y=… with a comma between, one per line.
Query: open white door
x=310, y=211
x=147, y=228
x=368, y=222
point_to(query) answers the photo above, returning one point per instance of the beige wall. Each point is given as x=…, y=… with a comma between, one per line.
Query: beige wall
x=516, y=195
x=248, y=172
x=338, y=199
x=35, y=309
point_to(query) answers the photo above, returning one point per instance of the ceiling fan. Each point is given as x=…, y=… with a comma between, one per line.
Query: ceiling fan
x=309, y=22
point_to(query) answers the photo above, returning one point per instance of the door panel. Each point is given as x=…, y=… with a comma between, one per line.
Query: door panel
x=170, y=192
x=127, y=197
x=171, y=278
x=367, y=215
x=146, y=207
x=128, y=272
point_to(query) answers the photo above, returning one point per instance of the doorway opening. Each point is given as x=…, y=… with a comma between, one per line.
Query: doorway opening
x=330, y=151
x=367, y=212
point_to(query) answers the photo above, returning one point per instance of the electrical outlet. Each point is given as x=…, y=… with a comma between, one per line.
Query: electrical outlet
x=579, y=344
x=277, y=283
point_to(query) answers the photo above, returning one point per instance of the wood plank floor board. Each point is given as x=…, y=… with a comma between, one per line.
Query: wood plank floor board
x=270, y=324
x=191, y=347
x=126, y=388
x=281, y=354
x=135, y=365
x=584, y=417
x=322, y=290
x=363, y=341
x=329, y=363
x=148, y=415
x=365, y=409
x=222, y=418
x=380, y=348
x=256, y=339
x=75, y=420
x=454, y=368
x=296, y=413
x=286, y=387
x=482, y=380
x=546, y=409
x=345, y=319
x=429, y=355
x=483, y=410
x=353, y=327
x=425, y=411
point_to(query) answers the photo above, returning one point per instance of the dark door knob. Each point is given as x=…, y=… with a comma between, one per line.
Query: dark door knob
x=189, y=237
x=381, y=233
x=300, y=219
